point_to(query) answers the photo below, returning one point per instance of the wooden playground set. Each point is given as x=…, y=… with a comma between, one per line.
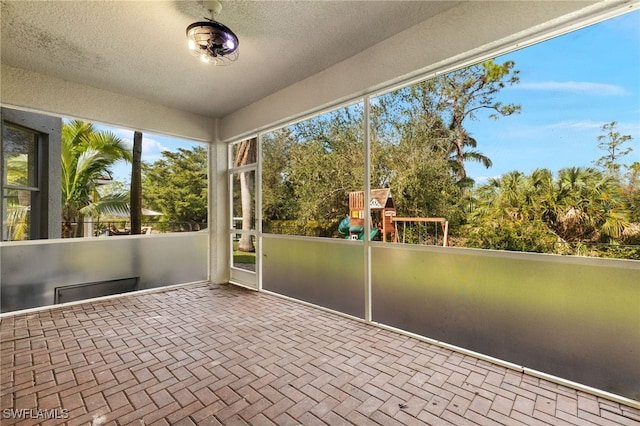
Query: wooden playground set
x=385, y=225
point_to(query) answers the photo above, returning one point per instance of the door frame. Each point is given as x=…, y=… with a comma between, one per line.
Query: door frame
x=239, y=275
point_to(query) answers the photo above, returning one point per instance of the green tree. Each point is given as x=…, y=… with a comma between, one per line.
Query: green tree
x=87, y=158
x=418, y=148
x=458, y=157
x=419, y=141
x=506, y=216
x=619, y=199
x=421, y=183
x=176, y=185
x=631, y=191
x=577, y=193
x=612, y=142
x=278, y=198
x=410, y=153
x=533, y=213
x=462, y=94
x=327, y=163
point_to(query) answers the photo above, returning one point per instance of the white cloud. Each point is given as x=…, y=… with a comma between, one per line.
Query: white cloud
x=621, y=127
x=576, y=125
x=151, y=149
x=584, y=87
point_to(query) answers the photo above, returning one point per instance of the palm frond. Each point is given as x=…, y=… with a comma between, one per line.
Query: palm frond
x=614, y=224
x=478, y=157
x=86, y=157
x=17, y=222
x=116, y=204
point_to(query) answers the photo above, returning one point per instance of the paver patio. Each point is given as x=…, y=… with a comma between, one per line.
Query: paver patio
x=209, y=354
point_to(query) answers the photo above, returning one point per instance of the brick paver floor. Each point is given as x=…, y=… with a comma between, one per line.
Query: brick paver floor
x=208, y=355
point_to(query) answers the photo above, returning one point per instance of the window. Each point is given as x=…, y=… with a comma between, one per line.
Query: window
x=69, y=178
x=20, y=189
x=536, y=150
x=174, y=186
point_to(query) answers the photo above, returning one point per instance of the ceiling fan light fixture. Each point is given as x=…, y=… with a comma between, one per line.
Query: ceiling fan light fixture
x=211, y=41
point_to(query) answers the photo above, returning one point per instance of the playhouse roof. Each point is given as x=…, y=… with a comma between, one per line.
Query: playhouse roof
x=381, y=198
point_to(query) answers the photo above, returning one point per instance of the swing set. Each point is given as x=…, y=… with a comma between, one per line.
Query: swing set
x=419, y=229
x=385, y=225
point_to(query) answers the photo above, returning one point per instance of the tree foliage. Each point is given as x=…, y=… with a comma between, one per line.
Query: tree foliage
x=419, y=147
x=327, y=163
x=19, y=202
x=612, y=142
x=538, y=212
x=176, y=185
x=87, y=158
x=462, y=94
x=631, y=191
x=278, y=197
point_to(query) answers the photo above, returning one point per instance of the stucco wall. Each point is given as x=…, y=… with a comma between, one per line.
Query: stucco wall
x=29, y=90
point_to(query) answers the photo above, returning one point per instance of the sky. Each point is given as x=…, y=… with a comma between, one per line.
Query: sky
x=569, y=87
x=152, y=148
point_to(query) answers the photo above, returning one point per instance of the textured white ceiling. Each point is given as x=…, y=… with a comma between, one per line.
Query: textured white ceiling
x=139, y=48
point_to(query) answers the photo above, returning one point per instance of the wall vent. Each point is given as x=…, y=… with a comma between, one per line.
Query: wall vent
x=73, y=293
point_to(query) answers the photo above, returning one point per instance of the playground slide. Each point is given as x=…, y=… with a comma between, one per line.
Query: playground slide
x=347, y=231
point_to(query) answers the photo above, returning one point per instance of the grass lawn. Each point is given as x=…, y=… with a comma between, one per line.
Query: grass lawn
x=241, y=256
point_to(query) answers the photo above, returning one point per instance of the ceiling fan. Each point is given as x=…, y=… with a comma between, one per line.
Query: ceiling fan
x=211, y=41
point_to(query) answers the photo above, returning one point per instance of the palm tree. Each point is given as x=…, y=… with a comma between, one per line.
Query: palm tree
x=136, y=185
x=466, y=92
x=535, y=212
x=590, y=205
x=87, y=156
x=459, y=153
x=508, y=214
